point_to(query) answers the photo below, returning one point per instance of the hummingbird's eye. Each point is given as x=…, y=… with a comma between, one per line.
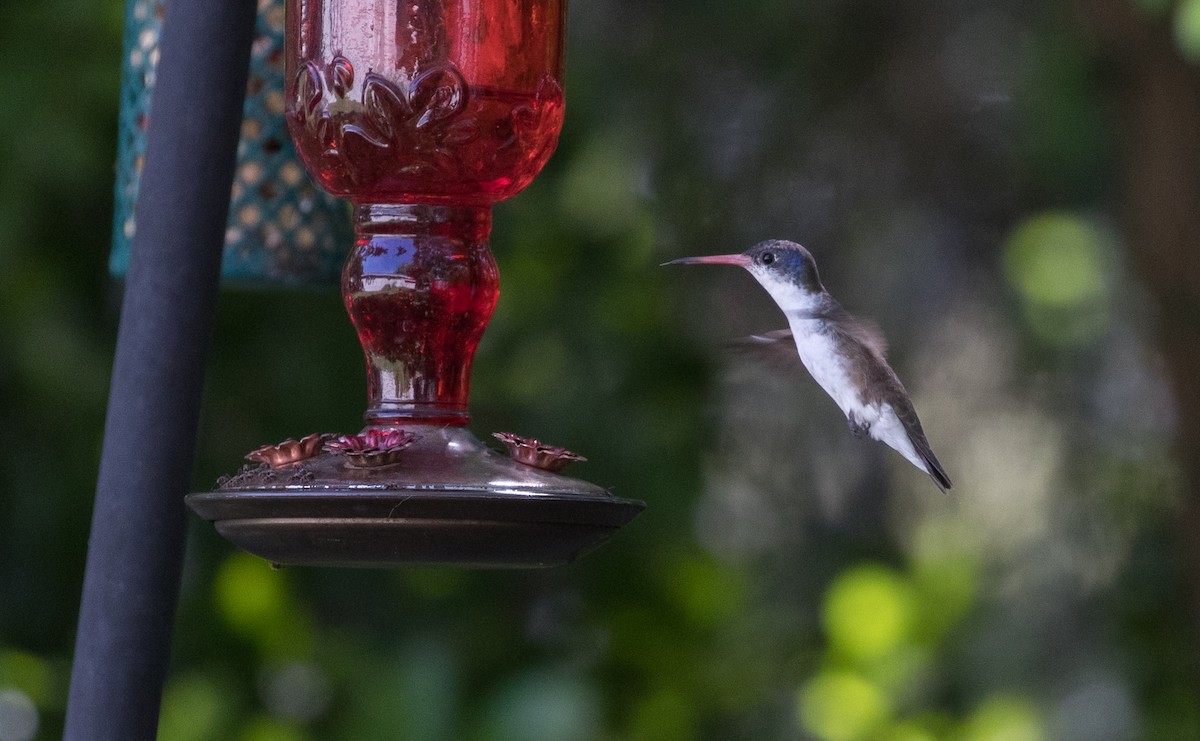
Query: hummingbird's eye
x=767, y=258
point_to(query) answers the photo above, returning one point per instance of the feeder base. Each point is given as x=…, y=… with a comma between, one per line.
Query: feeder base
x=449, y=501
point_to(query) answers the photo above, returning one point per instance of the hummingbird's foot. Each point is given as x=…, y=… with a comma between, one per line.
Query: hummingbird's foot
x=858, y=428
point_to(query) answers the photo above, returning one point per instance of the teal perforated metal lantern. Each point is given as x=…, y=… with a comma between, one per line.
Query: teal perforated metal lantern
x=282, y=229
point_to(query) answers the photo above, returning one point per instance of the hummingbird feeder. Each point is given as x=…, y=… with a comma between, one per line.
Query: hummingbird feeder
x=423, y=114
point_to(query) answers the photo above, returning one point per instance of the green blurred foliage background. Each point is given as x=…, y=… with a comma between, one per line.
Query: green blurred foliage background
x=962, y=171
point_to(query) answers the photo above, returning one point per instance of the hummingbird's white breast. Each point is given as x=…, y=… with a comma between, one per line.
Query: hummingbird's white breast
x=819, y=353
x=817, y=346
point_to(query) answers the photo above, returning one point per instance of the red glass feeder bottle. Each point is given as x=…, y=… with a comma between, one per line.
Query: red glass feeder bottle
x=423, y=114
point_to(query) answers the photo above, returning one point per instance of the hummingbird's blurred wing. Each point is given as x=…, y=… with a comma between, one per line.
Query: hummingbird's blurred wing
x=863, y=331
x=766, y=339
x=867, y=332
x=776, y=349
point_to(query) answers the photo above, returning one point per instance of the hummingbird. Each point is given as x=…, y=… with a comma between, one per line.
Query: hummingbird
x=846, y=356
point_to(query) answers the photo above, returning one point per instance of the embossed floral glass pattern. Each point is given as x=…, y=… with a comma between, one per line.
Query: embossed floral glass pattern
x=424, y=114
x=433, y=101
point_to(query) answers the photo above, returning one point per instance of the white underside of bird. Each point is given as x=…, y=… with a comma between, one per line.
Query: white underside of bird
x=820, y=357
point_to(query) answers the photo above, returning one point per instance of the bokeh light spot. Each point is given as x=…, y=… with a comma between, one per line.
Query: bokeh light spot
x=1057, y=263
x=908, y=731
x=841, y=706
x=18, y=716
x=1187, y=29
x=263, y=728
x=541, y=704
x=1056, y=259
x=249, y=593
x=868, y=612
x=31, y=674
x=706, y=589
x=195, y=707
x=667, y=713
x=295, y=690
x=1005, y=718
x=255, y=601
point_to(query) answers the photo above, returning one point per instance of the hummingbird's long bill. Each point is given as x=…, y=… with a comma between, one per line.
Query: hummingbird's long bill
x=742, y=261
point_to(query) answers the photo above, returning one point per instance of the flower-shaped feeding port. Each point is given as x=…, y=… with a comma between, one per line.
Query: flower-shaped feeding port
x=449, y=500
x=535, y=453
x=289, y=451
x=373, y=448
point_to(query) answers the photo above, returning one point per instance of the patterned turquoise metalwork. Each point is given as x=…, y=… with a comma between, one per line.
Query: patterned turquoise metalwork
x=282, y=229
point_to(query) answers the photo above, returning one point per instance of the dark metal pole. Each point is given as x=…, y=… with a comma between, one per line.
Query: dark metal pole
x=135, y=552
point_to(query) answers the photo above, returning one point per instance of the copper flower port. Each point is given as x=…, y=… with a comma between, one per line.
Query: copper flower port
x=373, y=448
x=535, y=453
x=289, y=451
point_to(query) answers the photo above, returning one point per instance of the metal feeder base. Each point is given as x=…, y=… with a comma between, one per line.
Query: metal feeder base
x=449, y=501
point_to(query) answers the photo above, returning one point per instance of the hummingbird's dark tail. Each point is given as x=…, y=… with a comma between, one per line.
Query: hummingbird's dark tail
x=936, y=472
x=912, y=425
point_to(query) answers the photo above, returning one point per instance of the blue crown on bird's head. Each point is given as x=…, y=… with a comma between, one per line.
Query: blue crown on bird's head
x=785, y=260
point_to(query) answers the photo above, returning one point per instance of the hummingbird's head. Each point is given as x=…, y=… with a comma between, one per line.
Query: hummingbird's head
x=779, y=261
x=784, y=268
